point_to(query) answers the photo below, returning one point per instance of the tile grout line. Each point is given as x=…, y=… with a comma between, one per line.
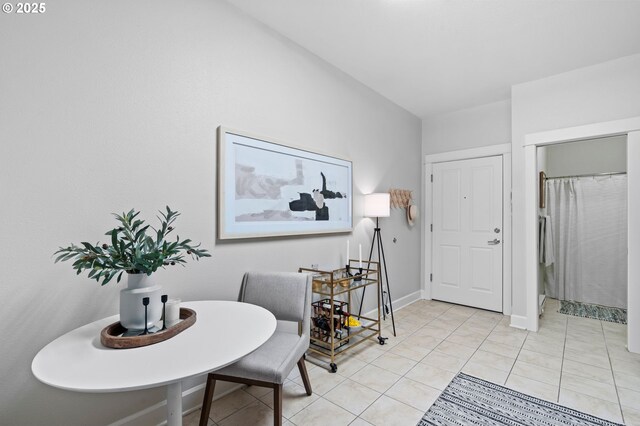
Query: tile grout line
x=474, y=352
x=539, y=353
x=427, y=354
x=404, y=375
x=466, y=321
x=401, y=376
x=483, y=341
x=236, y=411
x=615, y=385
x=564, y=346
x=516, y=360
x=453, y=331
x=348, y=378
x=600, y=323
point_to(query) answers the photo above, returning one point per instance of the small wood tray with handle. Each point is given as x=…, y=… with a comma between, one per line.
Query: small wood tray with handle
x=111, y=335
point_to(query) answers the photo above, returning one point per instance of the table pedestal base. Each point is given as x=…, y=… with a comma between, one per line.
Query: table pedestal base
x=174, y=404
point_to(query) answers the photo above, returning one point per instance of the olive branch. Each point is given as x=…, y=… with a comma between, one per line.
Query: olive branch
x=132, y=250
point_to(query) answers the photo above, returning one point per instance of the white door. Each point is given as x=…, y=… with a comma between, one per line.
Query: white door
x=467, y=232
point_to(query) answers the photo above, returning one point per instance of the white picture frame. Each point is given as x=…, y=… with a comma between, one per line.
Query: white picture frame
x=268, y=189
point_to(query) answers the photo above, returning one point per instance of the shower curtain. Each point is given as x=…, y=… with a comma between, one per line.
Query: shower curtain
x=589, y=227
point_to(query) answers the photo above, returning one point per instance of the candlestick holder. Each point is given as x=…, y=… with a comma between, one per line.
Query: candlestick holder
x=145, y=302
x=358, y=276
x=164, y=299
x=345, y=278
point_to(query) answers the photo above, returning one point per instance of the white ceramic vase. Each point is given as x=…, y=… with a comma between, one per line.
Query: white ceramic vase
x=131, y=307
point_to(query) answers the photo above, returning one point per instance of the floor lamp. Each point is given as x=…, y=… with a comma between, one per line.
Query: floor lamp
x=378, y=205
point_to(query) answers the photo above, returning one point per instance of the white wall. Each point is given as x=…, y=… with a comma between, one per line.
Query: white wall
x=109, y=106
x=603, y=155
x=484, y=125
x=604, y=92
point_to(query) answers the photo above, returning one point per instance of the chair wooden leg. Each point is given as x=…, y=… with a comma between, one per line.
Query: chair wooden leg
x=277, y=405
x=206, y=402
x=305, y=377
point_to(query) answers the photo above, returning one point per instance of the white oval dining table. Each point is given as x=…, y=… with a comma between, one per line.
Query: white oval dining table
x=224, y=332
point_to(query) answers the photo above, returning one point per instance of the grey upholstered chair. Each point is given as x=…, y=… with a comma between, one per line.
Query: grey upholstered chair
x=288, y=296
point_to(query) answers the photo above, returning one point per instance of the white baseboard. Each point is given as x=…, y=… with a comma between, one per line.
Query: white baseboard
x=191, y=401
x=518, y=321
x=398, y=303
x=407, y=300
x=424, y=294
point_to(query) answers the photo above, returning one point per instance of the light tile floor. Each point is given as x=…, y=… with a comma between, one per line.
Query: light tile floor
x=577, y=362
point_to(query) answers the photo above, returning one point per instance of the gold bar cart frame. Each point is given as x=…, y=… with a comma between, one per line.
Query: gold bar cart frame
x=332, y=284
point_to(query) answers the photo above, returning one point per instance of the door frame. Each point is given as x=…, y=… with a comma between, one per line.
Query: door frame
x=629, y=127
x=503, y=150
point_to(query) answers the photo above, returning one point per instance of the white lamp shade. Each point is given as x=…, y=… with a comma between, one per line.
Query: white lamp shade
x=377, y=205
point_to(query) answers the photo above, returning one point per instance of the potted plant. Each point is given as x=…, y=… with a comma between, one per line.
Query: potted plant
x=139, y=250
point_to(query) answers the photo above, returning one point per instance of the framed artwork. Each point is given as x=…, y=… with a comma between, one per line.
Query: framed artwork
x=268, y=189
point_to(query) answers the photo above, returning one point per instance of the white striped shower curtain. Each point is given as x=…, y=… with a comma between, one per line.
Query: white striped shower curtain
x=589, y=223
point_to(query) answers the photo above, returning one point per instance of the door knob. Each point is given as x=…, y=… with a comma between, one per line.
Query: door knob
x=497, y=230
x=493, y=242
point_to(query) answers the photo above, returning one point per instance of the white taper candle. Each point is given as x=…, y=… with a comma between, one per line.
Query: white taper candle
x=347, y=258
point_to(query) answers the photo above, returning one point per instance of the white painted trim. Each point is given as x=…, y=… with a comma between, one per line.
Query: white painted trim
x=428, y=220
x=531, y=250
x=486, y=151
x=633, y=254
x=507, y=251
x=424, y=278
x=398, y=304
x=589, y=131
x=424, y=295
x=629, y=126
x=518, y=321
x=406, y=300
x=192, y=398
x=463, y=154
x=151, y=415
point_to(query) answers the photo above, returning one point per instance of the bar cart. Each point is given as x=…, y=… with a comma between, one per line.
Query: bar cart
x=332, y=329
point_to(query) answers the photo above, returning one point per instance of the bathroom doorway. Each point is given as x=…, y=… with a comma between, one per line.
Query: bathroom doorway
x=582, y=232
x=630, y=127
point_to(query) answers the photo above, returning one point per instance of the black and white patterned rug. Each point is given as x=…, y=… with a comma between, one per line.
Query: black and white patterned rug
x=588, y=310
x=468, y=400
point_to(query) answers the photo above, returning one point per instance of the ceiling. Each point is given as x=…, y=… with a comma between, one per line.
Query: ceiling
x=437, y=56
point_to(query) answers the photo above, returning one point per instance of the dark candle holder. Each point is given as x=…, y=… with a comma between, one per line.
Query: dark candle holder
x=358, y=276
x=145, y=302
x=348, y=269
x=164, y=299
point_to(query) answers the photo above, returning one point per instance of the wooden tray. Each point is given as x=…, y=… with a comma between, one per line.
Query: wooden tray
x=110, y=335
